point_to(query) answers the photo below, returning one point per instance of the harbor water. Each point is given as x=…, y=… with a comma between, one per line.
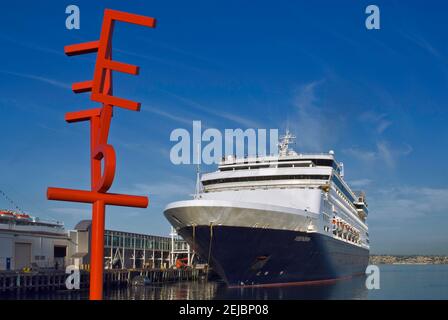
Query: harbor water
x=396, y=282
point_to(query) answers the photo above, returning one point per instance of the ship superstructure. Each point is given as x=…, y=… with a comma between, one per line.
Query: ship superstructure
x=19, y=222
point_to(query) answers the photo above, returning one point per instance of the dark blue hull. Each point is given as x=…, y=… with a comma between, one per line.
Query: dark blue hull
x=252, y=256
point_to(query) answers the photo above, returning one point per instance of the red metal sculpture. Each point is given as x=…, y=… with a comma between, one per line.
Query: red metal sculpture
x=101, y=152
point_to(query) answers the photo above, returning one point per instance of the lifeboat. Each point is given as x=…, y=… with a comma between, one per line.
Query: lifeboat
x=345, y=228
x=340, y=226
x=350, y=231
x=7, y=214
x=22, y=216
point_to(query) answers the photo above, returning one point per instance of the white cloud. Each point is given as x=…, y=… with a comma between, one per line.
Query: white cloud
x=76, y=212
x=360, y=183
x=383, y=125
x=399, y=203
x=422, y=43
x=383, y=152
x=165, y=188
x=314, y=126
x=231, y=116
x=55, y=83
x=408, y=220
x=176, y=187
x=380, y=121
x=171, y=62
x=168, y=115
x=246, y=123
x=33, y=46
x=363, y=155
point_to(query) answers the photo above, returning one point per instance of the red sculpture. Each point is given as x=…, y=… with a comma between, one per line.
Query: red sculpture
x=101, y=152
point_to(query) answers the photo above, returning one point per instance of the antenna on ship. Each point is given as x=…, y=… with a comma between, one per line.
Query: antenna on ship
x=285, y=141
x=198, y=176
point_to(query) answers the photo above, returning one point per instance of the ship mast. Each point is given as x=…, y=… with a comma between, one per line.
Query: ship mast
x=285, y=141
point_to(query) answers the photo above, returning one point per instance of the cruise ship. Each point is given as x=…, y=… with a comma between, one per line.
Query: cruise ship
x=19, y=222
x=276, y=220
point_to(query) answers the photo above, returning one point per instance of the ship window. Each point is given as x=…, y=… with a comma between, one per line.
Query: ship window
x=267, y=178
x=288, y=163
x=342, y=188
x=317, y=162
x=293, y=165
x=253, y=166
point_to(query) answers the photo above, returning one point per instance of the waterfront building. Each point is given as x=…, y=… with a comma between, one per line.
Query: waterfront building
x=128, y=250
x=27, y=242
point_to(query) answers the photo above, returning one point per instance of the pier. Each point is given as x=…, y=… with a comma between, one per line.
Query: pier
x=55, y=279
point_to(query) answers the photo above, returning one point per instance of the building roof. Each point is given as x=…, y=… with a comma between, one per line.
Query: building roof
x=83, y=225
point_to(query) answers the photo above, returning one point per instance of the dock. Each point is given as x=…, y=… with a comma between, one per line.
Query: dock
x=55, y=279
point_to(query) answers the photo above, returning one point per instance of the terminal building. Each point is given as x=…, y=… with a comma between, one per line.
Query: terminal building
x=126, y=250
x=28, y=242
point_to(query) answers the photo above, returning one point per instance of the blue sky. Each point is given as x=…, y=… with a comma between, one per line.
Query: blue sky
x=378, y=98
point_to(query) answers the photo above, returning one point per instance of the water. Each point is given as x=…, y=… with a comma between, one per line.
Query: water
x=412, y=282
x=396, y=282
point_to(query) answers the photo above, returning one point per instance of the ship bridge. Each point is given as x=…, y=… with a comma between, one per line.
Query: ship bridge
x=288, y=168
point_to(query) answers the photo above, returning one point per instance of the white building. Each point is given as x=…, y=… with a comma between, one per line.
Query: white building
x=27, y=242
